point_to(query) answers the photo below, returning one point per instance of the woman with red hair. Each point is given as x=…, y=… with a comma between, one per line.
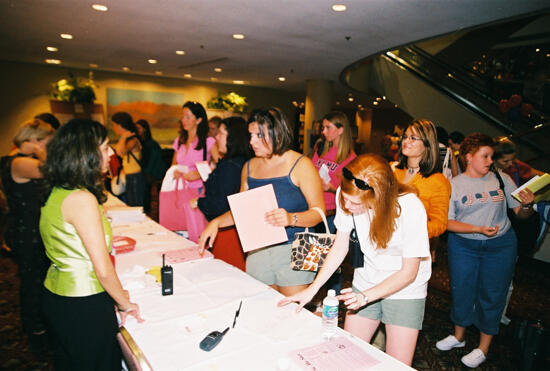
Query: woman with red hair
x=391, y=225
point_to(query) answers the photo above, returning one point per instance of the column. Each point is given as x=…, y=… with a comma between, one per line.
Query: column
x=319, y=96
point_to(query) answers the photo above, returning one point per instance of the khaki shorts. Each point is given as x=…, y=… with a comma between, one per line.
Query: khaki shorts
x=271, y=265
x=399, y=312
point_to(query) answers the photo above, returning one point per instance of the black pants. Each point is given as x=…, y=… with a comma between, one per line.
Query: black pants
x=84, y=330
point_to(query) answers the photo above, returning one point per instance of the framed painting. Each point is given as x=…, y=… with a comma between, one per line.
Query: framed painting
x=161, y=110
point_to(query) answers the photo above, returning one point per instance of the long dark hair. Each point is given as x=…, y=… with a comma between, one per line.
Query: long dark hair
x=74, y=159
x=430, y=162
x=277, y=126
x=202, y=128
x=125, y=121
x=238, y=138
x=146, y=130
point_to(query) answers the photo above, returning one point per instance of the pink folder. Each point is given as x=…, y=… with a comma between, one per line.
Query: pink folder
x=248, y=209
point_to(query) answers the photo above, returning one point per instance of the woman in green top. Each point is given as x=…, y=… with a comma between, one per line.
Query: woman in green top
x=82, y=287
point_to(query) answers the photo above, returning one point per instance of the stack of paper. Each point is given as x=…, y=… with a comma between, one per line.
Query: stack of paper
x=539, y=185
x=125, y=215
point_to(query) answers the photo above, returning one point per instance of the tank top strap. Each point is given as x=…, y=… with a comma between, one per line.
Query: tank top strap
x=294, y=165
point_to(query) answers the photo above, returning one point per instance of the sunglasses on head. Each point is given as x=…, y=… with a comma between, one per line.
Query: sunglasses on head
x=359, y=183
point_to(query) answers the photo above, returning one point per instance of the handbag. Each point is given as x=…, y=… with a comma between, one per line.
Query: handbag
x=527, y=230
x=310, y=249
x=118, y=183
x=356, y=256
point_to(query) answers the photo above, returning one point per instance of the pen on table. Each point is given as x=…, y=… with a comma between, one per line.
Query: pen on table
x=237, y=314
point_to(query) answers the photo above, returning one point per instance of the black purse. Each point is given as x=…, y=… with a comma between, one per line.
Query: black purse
x=356, y=256
x=527, y=230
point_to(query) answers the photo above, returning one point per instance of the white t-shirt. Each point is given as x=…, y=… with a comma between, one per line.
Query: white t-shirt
x=409, y=240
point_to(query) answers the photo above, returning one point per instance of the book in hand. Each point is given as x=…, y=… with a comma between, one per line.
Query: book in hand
x=539, y=185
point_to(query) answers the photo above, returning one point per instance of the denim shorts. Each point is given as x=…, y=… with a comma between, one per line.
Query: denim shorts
x=480, y=273
x=398, y=312
x=271, y=265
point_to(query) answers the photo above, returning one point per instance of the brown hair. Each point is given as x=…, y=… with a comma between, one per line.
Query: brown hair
x=277, y=126
x=382, y=198
x=473, y=142
x=430, y=162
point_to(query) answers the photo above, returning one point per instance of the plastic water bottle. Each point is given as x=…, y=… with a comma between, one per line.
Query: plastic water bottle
x=330, y=315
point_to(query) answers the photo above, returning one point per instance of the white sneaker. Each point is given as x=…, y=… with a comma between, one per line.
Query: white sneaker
x=474, y=358
x=449, y=343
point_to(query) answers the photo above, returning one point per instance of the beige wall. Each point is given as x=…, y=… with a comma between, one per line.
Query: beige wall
x=26, y=88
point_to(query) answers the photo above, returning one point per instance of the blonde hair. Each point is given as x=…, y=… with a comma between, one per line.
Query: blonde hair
x=32, y=129
x=345, y=144
x=382, y=198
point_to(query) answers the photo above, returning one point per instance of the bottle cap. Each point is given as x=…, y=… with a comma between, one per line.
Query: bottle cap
x=331, y=292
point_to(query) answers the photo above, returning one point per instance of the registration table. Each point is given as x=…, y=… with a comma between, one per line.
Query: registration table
x=207, y=293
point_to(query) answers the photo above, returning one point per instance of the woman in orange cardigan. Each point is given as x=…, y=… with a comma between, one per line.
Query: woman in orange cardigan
x=419, y=165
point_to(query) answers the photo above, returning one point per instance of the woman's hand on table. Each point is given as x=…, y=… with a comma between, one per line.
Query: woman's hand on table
x=352, y=300
x=278, y=218
x=208, y=236
x=301, y=298
x=132, y=309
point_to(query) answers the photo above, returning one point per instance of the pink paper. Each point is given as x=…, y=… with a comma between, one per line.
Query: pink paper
x=249, y=209
x=336, y=354
x=185, y=255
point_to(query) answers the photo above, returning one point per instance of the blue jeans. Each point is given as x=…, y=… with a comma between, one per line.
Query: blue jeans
x=481, y=272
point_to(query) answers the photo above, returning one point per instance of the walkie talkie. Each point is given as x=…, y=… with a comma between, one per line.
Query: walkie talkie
x=167, y=279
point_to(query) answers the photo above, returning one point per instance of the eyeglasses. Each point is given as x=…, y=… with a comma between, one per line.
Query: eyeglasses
x=359, y=183
x=411, y=137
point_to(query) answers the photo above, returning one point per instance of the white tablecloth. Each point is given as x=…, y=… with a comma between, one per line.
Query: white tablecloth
x=206, y=295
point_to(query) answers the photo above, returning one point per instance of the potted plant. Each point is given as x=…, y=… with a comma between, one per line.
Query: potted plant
x=73, y=95
x=229, y=102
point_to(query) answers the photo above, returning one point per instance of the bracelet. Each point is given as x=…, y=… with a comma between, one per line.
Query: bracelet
x=122, y=310
x=294, y=219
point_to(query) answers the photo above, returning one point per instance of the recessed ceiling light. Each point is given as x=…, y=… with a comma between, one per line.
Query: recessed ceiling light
x=51, y=48
x=282, y=78
x=158, y=72
x=548, y=55
x=93, y=65
x=395, y=105
x=378, y=99
x=217, y=69
x=337, y=102
x=187, y=75
x=126, y=68
x=238, y=36
x=339, y=7
x=238, y=82
x=351, y=99
x=66, y=36
x=375, y=103
x=53, y=61
x=100, y=8
x=152, y=61
x=537, y=50
x=214, y=78
x=384, y=97
x=180, y=52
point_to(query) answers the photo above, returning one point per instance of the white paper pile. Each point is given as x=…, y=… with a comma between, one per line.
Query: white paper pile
x=125, y=215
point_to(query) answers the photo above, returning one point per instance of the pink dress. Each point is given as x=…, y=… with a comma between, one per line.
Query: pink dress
x=194, y=219
x=334, y=170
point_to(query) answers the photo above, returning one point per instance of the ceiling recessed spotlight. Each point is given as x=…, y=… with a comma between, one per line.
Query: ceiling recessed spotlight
x=187, y=75
x=378, y=99
x=384, y=97
x=214, y=78
x=375, y=103
x=66, y=36
x=351, y=99
x=152, y=61
x=238, y=36
x=537, y=50
x=395, y=105
x=93, y=65
x=126, y=68
x=180, y=52
x=337, y=102
x=282, y=78
x=217, y=69
x=158, y=72
x=339, y=7
x=51, y=48
x=100, y=8
x=53, y=61
x=238, y=82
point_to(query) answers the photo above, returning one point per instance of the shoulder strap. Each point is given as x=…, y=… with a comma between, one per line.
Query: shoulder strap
x=135, y=158
x=501, y=185
x=204, y=151
x=294, y=165
x=354, y=227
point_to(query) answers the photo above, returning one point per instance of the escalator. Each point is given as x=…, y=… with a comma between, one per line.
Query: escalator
x=424, y=84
